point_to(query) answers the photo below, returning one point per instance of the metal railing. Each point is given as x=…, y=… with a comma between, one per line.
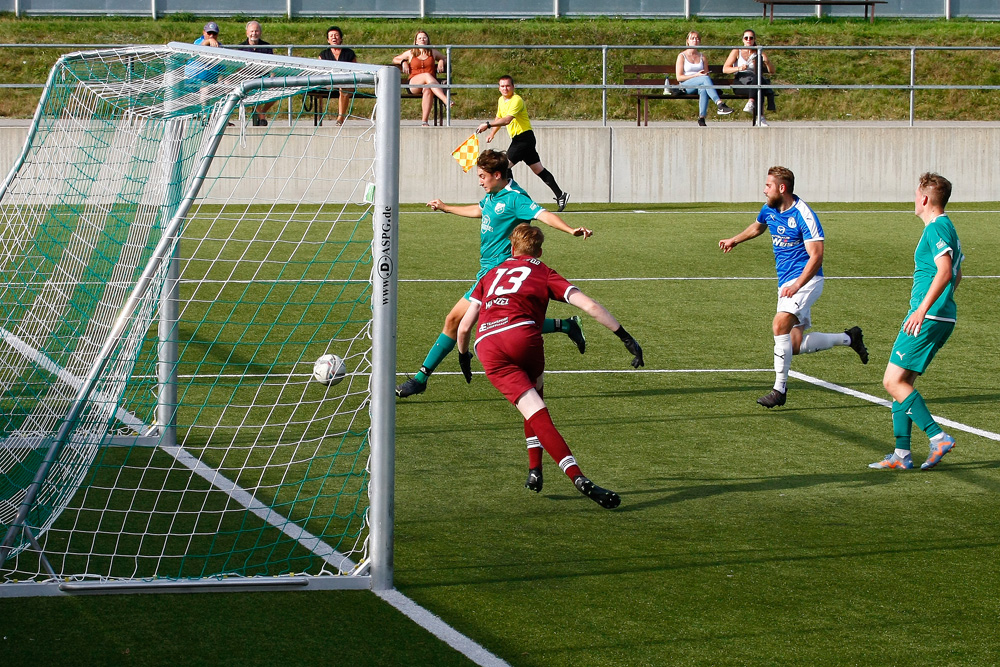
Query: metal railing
x=457, y=8
x=910, y=88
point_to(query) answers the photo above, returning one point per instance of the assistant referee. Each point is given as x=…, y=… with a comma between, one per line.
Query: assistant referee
x=512, y=113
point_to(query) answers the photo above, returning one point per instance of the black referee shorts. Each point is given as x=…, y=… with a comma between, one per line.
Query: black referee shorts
x=522, y=149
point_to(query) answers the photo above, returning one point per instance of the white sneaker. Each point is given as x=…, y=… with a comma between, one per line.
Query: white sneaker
x=762, y=121
x=749, y=106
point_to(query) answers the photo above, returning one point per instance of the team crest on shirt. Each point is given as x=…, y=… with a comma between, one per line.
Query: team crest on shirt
x=499, y=208
x=792, y=224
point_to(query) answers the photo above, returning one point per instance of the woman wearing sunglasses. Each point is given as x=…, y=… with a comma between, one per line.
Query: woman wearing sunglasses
x=742, y=64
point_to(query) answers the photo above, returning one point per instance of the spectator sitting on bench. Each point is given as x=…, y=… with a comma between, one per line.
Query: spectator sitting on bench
x=742, y=64
x=335, y=37
x=691, y=69
x=423, y=64
x=258, y=45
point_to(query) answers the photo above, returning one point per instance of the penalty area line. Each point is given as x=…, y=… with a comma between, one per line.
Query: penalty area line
x=434, y=625
x=958, y=426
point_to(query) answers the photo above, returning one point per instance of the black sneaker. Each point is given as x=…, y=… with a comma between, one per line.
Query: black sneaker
x=575, y=333
x=534, y=482
x=702, y=123
x=562, y=200
x=772, y=399
x=410, y=387
x=858, y=343
x=603, y=497
x=261, y=122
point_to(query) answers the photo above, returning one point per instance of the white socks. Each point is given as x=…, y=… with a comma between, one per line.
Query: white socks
x=815, y=342
x=782, y=361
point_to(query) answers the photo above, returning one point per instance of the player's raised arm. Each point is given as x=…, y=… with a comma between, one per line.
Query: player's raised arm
x=753, y=230
x=554, y=221
x=602, y=315
x=467, y=211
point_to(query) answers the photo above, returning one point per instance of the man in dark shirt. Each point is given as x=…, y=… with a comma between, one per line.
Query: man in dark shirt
x=254, y=43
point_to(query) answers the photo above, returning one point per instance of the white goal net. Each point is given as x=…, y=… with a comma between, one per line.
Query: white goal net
x=170, y=268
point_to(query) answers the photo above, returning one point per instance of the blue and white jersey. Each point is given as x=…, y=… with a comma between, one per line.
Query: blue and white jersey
x=789, y=232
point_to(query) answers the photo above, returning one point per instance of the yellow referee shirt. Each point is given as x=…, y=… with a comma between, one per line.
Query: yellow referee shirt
x=514, y=107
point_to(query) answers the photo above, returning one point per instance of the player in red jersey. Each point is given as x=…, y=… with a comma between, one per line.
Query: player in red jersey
x=509, y=303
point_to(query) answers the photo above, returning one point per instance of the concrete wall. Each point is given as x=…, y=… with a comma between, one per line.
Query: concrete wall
x=685, y=163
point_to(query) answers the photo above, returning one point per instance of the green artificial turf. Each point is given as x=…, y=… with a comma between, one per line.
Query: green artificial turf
x=745, y=536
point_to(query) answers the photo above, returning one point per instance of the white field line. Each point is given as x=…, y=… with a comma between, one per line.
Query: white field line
x=950, y=423
x=441, y=630
x=958, y=426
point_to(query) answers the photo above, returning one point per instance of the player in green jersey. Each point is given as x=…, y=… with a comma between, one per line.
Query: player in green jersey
x=504, y=207
x=937, y=272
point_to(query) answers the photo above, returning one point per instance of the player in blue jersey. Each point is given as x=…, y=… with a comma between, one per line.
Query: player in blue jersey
x=504, y=207
x=936, y=273
x=797, y=238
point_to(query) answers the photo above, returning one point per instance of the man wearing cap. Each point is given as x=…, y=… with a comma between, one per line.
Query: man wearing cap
x=209, y=35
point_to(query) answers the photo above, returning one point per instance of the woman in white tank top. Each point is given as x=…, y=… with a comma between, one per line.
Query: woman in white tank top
x=692, y=70
x=742, y=63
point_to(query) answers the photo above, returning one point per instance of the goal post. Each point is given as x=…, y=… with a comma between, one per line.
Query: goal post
x=170, y=272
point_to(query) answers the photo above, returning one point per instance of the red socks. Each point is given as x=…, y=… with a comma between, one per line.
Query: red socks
x=541, y=425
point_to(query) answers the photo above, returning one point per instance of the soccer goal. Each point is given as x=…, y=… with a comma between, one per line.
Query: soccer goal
x=169, y=274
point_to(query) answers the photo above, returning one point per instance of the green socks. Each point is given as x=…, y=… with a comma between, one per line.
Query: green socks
x=901, y=426
x=441, y=348
x=914, y=407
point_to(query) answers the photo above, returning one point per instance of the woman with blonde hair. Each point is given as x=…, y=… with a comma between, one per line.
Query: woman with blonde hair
x=692, y=69
x=423, y=64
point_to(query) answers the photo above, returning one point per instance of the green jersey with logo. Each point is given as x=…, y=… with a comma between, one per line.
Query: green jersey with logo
x=502, y=212
x=939, y=237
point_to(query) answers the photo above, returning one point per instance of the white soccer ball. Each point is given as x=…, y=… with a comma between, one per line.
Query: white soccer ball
x=329, y=370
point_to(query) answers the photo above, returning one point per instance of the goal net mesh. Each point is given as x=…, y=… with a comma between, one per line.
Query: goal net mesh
x=158, y=416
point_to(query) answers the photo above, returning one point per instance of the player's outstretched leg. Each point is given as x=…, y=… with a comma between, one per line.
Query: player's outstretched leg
x=418, y=383
x=604, y=497
x=858, y=343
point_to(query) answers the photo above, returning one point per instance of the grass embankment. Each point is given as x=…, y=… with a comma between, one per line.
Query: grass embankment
x=568, y=66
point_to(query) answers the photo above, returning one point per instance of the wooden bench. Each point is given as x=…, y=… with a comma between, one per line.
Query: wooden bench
x=315, y=101
x=835, y=3
x=647, y=75
x=438, y=106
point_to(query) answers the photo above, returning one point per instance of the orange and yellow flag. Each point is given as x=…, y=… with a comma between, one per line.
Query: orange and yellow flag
x=467, y=153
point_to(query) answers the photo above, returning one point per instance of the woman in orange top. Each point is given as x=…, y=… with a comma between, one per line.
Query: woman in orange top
x=422, y=64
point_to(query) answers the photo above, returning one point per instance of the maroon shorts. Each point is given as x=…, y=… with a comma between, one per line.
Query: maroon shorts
x=513, y=360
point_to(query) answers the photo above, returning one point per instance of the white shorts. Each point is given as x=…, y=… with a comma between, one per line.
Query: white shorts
x=800, y=303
